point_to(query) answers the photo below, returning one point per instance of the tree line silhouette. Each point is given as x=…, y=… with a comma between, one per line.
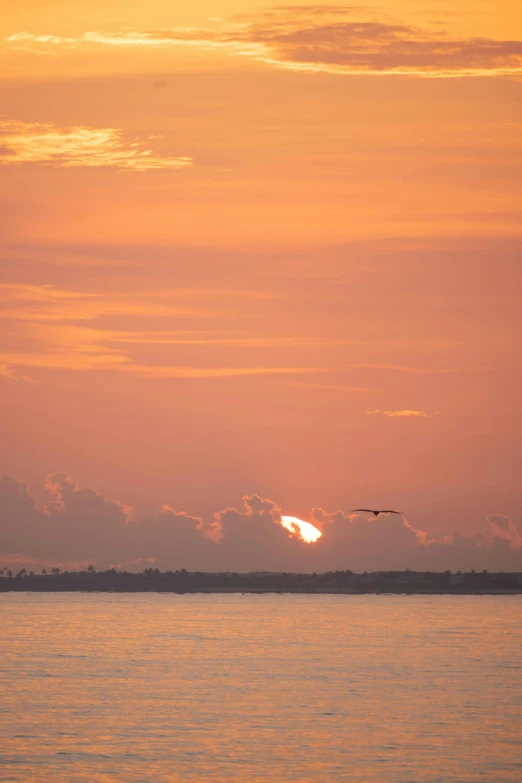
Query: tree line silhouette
x=183, y=581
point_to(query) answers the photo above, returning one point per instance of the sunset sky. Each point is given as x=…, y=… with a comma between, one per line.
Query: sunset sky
x=261, y=260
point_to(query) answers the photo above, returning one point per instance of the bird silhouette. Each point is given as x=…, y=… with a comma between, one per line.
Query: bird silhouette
x=376, y=513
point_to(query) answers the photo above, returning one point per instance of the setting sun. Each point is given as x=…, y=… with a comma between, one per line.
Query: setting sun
x=304, y=530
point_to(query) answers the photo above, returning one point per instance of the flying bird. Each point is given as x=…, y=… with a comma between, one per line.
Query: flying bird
x=376, y=513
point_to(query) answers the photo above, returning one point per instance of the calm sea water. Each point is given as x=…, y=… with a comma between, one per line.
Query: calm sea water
x=157, y=688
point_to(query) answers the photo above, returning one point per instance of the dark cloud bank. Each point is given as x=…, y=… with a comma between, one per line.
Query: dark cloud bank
x=76, y=525
x=341, y=40
x=307, y=37
x=323, y=38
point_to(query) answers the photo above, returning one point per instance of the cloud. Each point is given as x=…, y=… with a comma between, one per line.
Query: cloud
x=369, y=536
x=82, y=362
x=48, y=145
x=336, y=387
x=399, y=414
x=503, y=527
x=55, y=40
x=330, y=39
x=149, y=371
x=76, y=524
x=48, y=303
x=359, y=46
x=53, y=321
x=417, y=370
x=7, y=372
x=230, y=520
x=389, y=541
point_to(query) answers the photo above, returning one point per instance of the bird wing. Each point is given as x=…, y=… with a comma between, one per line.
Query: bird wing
x=375, y=511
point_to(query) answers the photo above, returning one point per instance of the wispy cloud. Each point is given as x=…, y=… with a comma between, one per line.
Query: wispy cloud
x=6, y=371
x=401, y=414
x=149, y=371
x=78, y=360
x=416, y=370
x=66, y=360
x=49, y=145
x=342, y=40
x=50, y=304
x=335, y=387
x=56, y=324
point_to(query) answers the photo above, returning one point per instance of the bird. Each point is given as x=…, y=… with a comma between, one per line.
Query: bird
x=376, y=513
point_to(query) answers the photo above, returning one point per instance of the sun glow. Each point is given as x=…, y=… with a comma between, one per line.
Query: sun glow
x=304, y=530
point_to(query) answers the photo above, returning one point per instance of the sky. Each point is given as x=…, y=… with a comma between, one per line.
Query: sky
x=257, y=261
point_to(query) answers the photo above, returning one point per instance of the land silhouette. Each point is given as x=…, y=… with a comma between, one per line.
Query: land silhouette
x=182, y=581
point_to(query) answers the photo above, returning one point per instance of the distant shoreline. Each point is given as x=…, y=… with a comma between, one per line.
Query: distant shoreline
x=181, y=582
x=262, y=591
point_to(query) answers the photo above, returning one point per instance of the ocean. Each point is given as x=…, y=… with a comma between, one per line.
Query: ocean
x=157, y=688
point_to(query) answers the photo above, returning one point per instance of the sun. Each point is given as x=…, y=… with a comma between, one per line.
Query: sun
x=304, y=530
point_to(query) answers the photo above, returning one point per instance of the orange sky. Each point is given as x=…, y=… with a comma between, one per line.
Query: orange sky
x=248, y=248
